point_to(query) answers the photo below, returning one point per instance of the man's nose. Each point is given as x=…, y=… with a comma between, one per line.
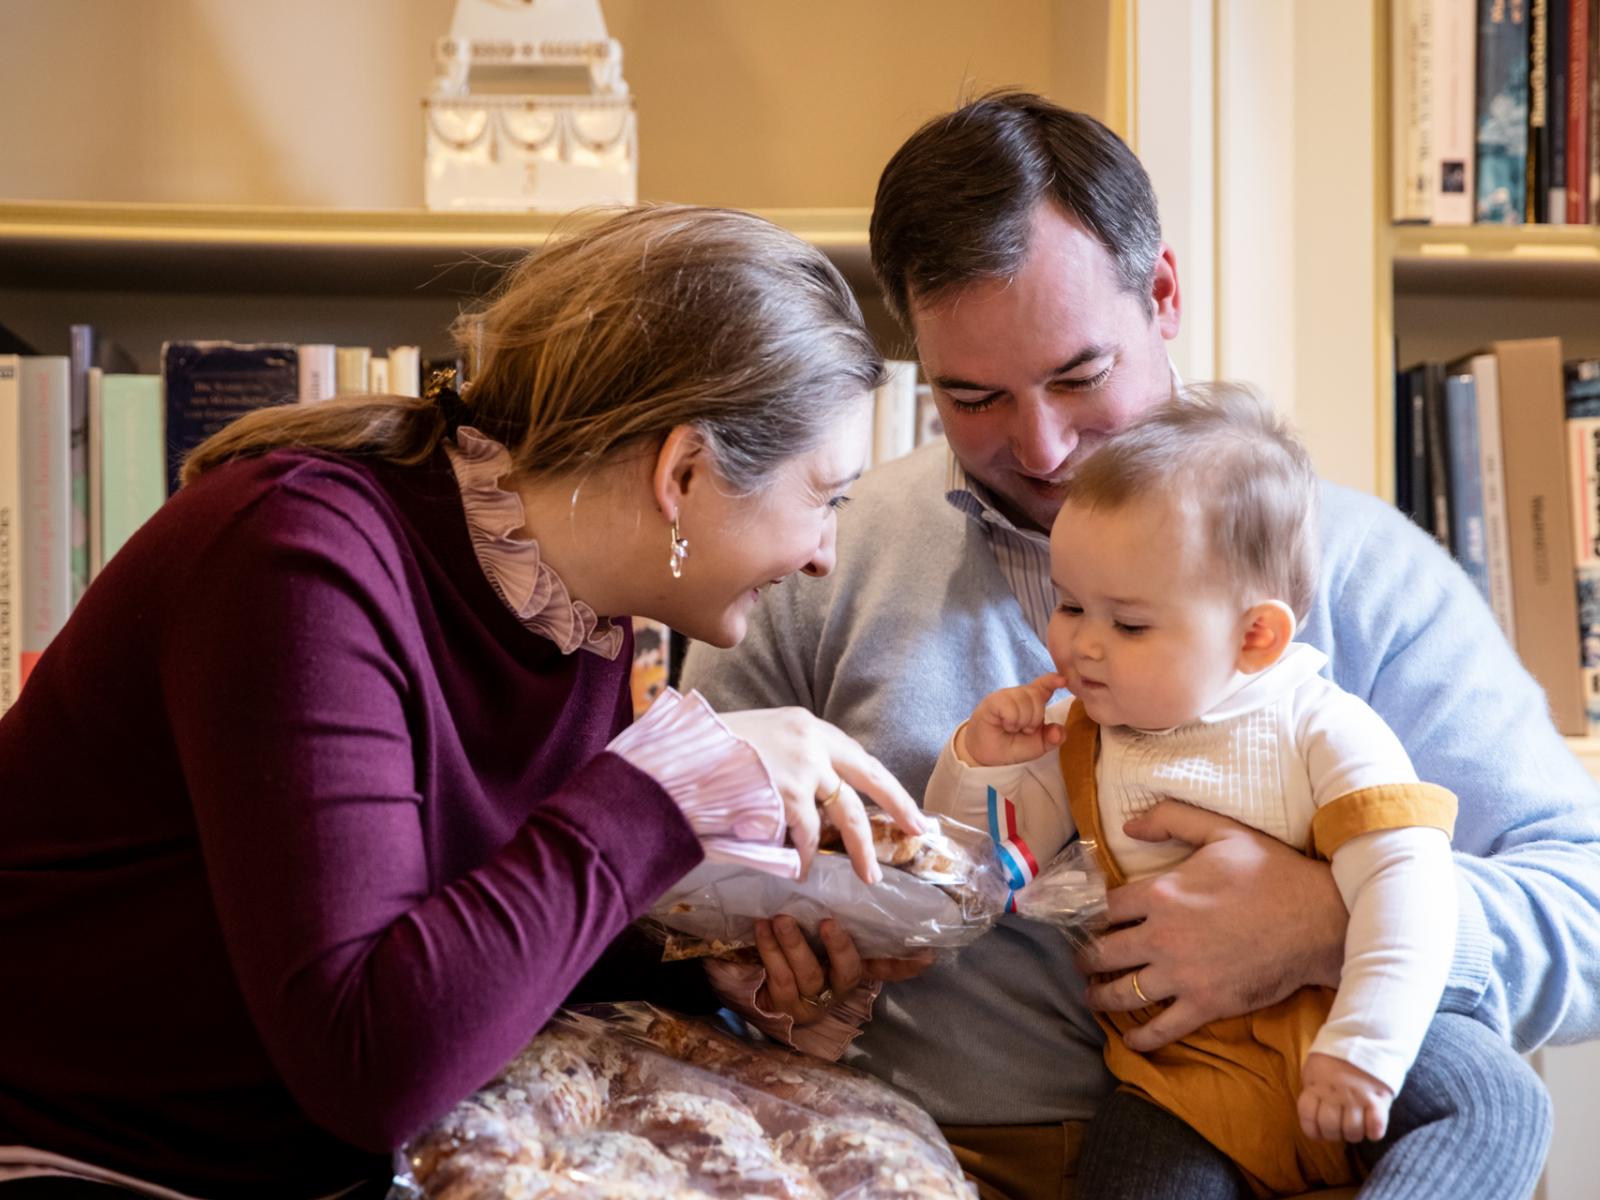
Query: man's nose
x=1043, y=435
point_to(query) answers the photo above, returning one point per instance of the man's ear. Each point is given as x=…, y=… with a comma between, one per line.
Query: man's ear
x=680, y=465
x=1165, y=299
x=1268, y=630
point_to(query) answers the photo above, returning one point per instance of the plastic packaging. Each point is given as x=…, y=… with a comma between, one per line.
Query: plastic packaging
x=939, y=891
x=623, y=1101
x=1069, y=893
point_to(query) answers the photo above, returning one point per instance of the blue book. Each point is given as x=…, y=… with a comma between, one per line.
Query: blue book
x=1502, y=111
x=209, y=385
x=1466, y=480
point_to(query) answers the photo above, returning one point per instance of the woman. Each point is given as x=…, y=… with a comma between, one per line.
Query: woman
x=323, y=801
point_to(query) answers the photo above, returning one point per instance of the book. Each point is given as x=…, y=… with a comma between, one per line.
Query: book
x=378, y=375
x=1466, y=481
x=1455, y=40
x=1533, y=446
x=1501, y=111
x=1537, y=168
x=10, y=531
x=1437, y=436
x=1557, y=73
x=96, y=473
x=81, y=353
x=315, y=371
x=405, y=370
x=45, y=388
x=894, y=421
x=209, y=385
x=1583, y=473
x=1411, y=123
x=1485, y=372
x=1589, y=641
x=133, y=467
x=350, y=369
x=930, y=425
x=652, y=662
x=1580, y=63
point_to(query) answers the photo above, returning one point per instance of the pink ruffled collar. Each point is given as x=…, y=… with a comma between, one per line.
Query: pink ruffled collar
x=514, y=566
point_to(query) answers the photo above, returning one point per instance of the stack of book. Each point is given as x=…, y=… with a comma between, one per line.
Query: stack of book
x=1498, y=456
x=1495, y=111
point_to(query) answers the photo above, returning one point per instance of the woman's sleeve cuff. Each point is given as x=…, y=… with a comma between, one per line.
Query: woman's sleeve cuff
x=716, y=778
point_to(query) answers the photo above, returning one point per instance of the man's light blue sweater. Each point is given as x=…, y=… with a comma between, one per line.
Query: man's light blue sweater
x=917, y=623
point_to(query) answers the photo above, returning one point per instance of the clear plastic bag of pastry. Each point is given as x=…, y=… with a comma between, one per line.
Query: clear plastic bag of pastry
x=629, y=1101
x=940, y=890
x=1069, y=893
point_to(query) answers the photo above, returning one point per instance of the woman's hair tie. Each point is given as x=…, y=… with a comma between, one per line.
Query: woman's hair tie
x=451, y=406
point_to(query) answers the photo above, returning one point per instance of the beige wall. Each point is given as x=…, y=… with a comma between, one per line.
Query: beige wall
x=753, y=103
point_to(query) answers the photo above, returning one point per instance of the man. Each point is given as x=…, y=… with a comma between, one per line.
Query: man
x=1019, y=245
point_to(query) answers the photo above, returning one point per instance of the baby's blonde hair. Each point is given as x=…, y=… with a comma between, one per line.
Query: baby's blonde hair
x=1221, y=448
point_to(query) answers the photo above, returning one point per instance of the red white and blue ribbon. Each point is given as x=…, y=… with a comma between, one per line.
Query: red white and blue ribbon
x=1015, y=856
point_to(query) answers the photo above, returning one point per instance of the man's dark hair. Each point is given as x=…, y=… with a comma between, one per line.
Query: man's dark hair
x=956, y=202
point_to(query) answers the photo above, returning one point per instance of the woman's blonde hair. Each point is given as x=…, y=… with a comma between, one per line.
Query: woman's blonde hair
x=1220, y=448
x=610, y=337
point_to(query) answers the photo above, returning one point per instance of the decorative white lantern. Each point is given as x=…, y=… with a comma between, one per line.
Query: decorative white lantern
x=529, y=110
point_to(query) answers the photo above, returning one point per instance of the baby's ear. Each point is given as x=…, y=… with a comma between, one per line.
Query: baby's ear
x=1268, y=630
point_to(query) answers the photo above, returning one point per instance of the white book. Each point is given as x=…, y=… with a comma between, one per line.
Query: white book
x=405, y=370
x=930, y=425
x=1583, y=474
x=318, y=376
x=378, y=376
x=46, y=391
x=1452, y=106
x=97, y=475
x=1411, y=123
x=350, y=369
x=894, y=421
x=1485, y=371
x=10, y=532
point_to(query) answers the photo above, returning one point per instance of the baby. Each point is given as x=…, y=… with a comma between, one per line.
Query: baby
x=1184, y=557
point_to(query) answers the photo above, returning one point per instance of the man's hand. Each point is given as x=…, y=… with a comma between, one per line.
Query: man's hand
x=1339, y=1102
x=1008, y=726
x=1241, y=923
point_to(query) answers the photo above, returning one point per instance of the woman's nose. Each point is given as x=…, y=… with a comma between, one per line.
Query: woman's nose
x=822, y=561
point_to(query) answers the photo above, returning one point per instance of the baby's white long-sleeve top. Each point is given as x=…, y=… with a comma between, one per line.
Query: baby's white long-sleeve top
x=1280, y=746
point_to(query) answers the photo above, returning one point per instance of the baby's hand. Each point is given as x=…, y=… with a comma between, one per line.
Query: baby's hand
x=1339, y=1102
x=1008, y=726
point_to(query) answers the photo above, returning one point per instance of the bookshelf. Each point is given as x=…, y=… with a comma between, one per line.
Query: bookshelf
x=146, y=272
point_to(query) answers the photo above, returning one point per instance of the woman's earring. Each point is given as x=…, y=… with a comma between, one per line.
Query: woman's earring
x=680, y=551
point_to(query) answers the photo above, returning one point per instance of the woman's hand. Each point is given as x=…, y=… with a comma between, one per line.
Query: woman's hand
x=798, y=985
x=815, y=765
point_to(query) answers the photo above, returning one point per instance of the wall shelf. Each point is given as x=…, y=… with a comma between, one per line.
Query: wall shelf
x=227, y=248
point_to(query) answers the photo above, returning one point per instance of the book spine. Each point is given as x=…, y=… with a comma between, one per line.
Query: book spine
x=1411, y=128
x=10, y=531
x=378, y=376
x=134, y=462
x=1583, y=473
x=351, y=369
x=1539, y=516
x=81, y=353
x=405, y=370
x=1491, y=473
x=46, y=505
x=1592, y=54
x=97, y=481
x=1455, y=48
x=1556, y=108
x=1501, y=111
x=315, y=371
x=894, y=421
x=1439, y=455
x=1578, y=89
x=1537, y=196
x=1466, y=481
